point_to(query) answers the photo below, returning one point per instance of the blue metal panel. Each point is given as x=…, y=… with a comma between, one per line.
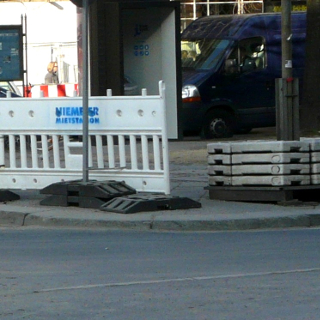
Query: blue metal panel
x=11, y=58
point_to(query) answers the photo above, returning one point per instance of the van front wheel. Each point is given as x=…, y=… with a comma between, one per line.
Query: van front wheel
x=218, y=124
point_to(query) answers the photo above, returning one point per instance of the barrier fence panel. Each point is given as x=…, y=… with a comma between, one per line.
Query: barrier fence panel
x=41, y=141
x=53, y=90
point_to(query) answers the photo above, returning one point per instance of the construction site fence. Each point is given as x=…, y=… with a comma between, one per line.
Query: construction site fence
x=41, y=141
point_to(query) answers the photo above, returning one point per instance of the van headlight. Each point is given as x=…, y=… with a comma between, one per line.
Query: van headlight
x=190, y=93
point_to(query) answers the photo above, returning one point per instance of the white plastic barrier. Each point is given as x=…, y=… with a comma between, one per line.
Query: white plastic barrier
x=128, y=141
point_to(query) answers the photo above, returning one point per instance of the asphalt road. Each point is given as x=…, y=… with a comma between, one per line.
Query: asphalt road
x=98, y=274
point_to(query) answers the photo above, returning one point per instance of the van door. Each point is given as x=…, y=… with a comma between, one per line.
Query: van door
x=248, y=84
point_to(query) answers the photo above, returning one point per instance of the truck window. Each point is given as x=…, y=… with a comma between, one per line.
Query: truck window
x=203, y=54
x=248, y=55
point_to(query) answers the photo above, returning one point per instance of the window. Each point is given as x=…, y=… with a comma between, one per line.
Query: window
x=202, y=54
x=249, y=55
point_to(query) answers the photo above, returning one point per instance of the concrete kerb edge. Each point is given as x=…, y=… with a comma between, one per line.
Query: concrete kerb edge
x=314, y=220
x=12, y=218
x=36, y=220
x=239, y=224
x=27, y=220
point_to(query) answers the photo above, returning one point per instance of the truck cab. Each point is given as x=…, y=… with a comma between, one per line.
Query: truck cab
x=229, y=68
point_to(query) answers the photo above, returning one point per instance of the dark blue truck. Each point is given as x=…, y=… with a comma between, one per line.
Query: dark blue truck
x=229, y=68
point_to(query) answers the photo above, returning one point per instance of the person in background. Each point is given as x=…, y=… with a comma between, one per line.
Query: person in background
x=52, y=76
x=185, y=58
x=184, y=55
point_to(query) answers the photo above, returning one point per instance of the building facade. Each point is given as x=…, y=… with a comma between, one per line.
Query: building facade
x=193, y=9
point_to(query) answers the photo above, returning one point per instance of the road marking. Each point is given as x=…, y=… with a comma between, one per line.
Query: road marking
x=132, y=283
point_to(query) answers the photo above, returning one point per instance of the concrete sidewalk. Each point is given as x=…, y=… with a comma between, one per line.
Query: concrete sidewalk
x=188, y=170
x=214, y=215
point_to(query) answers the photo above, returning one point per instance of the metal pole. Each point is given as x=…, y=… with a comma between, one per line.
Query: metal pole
x=286, y=39
x=25, y=53
x=85, y=89
x=287, y=128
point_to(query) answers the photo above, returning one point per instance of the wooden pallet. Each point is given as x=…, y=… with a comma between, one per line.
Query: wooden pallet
x=265, y=194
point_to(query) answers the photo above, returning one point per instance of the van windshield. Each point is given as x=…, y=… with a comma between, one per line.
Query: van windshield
x=202, y=54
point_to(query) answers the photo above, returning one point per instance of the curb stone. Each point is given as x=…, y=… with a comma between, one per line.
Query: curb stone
x=234, y=224
x=8, y=218
x=35, y=220
x=12, y=218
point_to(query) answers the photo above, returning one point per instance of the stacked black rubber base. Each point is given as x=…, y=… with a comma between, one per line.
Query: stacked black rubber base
x=112, y=196
x=6, y=195
x=91, y=194
x=148, y=202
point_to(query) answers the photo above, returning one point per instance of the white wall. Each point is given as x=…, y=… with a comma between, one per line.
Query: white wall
x=52, y=34
x=149, y=55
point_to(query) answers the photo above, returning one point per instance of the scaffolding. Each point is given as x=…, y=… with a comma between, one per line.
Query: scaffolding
x=194, y=9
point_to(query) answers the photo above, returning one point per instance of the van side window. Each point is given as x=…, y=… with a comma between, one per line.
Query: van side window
x=248, y=56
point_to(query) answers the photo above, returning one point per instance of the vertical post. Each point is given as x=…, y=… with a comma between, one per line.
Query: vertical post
x=85, y=90
x=287, y=66
x=25, y=81
x=286, y=39
x=287, y=95
x=296, y=109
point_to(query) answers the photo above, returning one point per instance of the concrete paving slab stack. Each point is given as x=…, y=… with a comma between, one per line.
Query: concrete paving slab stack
x=314, y=145
x=260, y=163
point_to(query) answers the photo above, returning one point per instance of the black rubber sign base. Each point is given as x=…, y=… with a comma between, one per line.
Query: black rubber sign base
x=112, y=196
x=91, y=194
x=148, y=202
x=6, y=195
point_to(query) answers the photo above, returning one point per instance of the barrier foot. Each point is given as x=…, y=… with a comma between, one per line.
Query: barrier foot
x=148, y=202
x=68, y=201
x=91, y=194
x=6, y=195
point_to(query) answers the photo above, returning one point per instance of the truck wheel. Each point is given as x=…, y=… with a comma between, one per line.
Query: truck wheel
x=218, y=124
